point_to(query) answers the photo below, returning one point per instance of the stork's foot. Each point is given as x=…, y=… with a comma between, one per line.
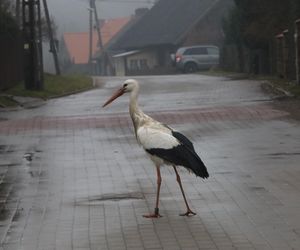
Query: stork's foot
x=153, y=215
x=188, y=213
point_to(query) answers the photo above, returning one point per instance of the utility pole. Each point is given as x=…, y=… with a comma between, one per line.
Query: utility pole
x=33, y=65
x=103, y=64
x=91, y=37
x=18, y=13
x=53, y=47
x=106, y=60
x=40, y=45
x=297, y=42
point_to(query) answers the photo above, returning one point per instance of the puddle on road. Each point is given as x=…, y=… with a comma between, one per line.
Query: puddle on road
x=281, y=155
x=284, y=154
x=224, y=172
x=28, y=157
x=7, y=149
x=258, y=190
x=101, y=199
x=4, y=214
x=2, y=148
x=9, y=164
x=33, y=171
x=37, y=173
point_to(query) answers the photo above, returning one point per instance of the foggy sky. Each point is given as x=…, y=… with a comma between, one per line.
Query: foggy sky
x=73, y=15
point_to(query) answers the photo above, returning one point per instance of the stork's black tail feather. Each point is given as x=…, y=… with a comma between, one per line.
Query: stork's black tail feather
x=195, y=162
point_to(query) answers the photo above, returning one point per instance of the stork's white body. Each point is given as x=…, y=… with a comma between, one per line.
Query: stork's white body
x=156, y=136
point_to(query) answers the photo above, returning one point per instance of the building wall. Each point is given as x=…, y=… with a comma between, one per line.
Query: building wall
x=209, y=30
x=154, y=61
x=119, y=63
x=143, y=60
x=139, y=62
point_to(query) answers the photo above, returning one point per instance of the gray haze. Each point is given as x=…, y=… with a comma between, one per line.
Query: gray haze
x=72, y=15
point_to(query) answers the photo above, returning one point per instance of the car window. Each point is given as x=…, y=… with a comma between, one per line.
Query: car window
x=196, y=51
x=188, y=52
x=212, y=51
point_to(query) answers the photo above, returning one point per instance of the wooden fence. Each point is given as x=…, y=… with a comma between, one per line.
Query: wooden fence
x=282, y=57
x=297, y=41
x=11, y=61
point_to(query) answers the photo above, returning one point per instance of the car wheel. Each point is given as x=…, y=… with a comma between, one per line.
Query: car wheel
x=190, y=67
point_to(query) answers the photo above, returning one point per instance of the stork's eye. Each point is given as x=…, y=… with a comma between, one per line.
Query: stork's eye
x=125, y=85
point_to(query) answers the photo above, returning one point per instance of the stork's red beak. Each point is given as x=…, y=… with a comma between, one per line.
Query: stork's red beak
x=117, y=94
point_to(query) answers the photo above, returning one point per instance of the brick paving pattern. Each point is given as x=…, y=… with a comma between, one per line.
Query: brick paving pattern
x=80, y=181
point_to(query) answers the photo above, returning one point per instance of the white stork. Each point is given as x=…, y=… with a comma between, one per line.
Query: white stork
x=163, y=144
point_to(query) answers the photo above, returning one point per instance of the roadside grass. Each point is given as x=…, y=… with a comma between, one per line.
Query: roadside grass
x=276, y=83
x=6, y=101
x=54, y=86
x=294, y=89
x=216, y=72
x=282, y=84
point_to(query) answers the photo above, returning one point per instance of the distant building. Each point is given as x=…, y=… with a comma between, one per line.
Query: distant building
x=146, y=45
x=74, y=51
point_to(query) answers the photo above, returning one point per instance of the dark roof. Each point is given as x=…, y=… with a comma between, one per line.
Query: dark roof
x=166, y=23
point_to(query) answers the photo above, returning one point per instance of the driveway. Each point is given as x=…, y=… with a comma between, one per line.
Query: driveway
x=73, y=177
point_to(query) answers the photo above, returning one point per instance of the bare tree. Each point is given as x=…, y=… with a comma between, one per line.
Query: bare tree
x=8, y=22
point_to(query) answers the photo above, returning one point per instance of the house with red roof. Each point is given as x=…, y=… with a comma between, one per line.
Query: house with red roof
x=74, y=49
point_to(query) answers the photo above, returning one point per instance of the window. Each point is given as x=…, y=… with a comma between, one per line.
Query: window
x=196, y=51
x=143, y=64
x=213, y=51
x=138, y=64
x=134, y=64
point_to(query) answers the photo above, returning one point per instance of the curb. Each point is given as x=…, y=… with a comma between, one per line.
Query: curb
x=70, y=93
x=275, y=89
x=33, y=102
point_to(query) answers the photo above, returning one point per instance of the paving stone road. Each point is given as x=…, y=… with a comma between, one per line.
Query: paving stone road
x=73, y=177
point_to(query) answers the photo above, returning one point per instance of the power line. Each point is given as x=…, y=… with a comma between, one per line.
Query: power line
x=129, y=1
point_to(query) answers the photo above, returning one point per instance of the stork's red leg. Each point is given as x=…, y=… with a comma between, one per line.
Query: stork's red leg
x=156, y=210
x=189, y=211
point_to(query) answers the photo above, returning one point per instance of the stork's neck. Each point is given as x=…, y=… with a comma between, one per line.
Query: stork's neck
x=135, y=112
x=133, y=104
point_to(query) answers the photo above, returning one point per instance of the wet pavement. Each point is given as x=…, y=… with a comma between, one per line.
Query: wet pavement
x=73, y=177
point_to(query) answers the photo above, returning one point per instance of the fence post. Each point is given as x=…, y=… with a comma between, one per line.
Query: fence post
x=297, y=43
x=285, y=54
x=279, y=55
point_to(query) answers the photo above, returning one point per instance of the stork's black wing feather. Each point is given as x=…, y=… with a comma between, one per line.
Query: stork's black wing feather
x=183, y=140
x=184, y=155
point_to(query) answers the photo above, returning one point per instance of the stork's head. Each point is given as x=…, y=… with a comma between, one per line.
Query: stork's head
x=128, y=86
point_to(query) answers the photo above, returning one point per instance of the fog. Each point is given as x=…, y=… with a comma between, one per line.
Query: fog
x=72, y=15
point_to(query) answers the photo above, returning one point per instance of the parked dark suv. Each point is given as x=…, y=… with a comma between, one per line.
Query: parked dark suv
x=191, y=59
